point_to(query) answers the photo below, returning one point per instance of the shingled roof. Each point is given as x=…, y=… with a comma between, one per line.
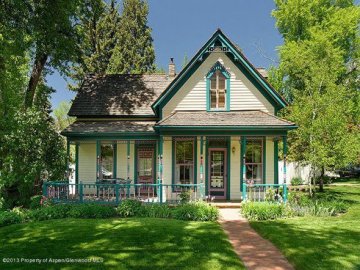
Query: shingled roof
x=233, y=118
x=118, y=95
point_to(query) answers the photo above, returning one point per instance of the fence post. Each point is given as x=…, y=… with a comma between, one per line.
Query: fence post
x=160, y=190
x=127, y=190
x=285, y=193
x=244, y=191
x=81, y=192
x=117, y=193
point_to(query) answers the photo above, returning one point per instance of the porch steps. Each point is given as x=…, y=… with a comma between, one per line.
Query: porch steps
x=236, y=204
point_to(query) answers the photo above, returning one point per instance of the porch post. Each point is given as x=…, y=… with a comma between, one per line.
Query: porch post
x=98, y=150
x=242, y=161
x=128, y=161
x=160, y=169
x=68, y=159
x=276, y=161
x=201, y=159
x=77, y=163
x=285, y=153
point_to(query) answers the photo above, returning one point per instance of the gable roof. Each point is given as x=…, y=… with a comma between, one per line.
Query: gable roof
x=118, y=95
x=239, y=60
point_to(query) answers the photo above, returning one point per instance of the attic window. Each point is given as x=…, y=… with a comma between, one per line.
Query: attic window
x=217, y=91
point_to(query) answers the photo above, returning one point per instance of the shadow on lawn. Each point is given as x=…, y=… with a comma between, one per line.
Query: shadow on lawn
x=123, y=244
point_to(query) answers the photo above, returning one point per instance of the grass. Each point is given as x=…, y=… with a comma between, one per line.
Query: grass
x=134, y=243
x=319, y=242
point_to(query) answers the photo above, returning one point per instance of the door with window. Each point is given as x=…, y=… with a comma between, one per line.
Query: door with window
x=217, y=173
x=145, y=165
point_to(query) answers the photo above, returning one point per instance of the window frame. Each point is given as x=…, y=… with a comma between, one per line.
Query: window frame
x=114, y=160
x=262, y=163
x=218, y=67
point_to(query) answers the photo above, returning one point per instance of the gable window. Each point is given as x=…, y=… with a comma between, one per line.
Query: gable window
x=217, y=91
x=254, y=160
x=184, y=161
x=218, y=88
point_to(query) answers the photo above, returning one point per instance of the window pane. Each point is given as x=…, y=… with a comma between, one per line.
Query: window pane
x=107, y=161
x=221, y=81
x=213, y=99
x=253, y=160
x=184, y=161
x=221, y=99
x=213, y=82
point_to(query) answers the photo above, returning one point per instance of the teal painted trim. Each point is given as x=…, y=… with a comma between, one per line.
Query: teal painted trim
x=202, y=159
x=242, y=162
x=218, y=66
x=128, y=160
x=228, y=186
x=115, y=160
x=207, y=166
x=285, y=156
x=175, y=132
x=68, y=158
x=189, y=69
x=135, y=163
x=276, y=162
x=264, y=160
x=195, y=160
x=154, y=163
x=77, y=163
x=98, y=153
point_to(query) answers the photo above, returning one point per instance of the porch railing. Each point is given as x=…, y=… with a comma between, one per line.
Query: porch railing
x=64, y=192
x=264, y=192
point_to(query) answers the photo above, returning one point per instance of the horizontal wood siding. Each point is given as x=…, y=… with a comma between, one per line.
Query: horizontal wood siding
x=269, y=160
x=243, y=94
x=87, y=162
x=167, y=160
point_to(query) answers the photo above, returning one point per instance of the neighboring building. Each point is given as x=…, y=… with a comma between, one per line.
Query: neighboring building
x=215, y=122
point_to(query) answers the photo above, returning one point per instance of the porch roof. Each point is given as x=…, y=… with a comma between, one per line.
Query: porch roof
x=109, y=127
x=238, y=119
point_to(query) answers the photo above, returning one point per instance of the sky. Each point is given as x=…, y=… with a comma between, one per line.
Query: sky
x=181, y=28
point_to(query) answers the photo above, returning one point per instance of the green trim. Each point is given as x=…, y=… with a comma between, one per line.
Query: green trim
x=242, y=161
x=228, y=186
x=98, y=151
x=206, y=166
x=128, y=160
x=218, y=66
x=68, y=157
x=264, y=160
x=195, y=160
x=136, y=147
x=115, y=160
x=285, y=156
x=237, y=57
x=276, y=162
x=135, y=163
x=77, y=163
x=202, y=162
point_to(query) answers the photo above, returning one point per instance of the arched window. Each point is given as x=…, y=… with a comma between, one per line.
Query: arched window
x=218, y=84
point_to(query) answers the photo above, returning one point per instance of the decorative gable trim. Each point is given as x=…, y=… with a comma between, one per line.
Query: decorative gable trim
x=220, y=43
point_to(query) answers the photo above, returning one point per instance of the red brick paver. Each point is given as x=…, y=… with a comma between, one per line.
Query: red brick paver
x=255, y=252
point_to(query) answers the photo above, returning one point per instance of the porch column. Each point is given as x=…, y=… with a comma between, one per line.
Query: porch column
x=202, y=159
x=77, y=163
x=285, y=153
x=128, y=161
x=242, y=165
x=276, y=161
x=67, y=159
x=160, y=169
x=98, y=160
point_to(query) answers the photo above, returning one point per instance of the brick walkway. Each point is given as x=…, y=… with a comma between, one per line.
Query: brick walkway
x=255, y=252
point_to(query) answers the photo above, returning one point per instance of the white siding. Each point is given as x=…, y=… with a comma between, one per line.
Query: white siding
x=269, y=160
x=235, y=193
x=167, y=160
x=87, y=162
x=243, y=94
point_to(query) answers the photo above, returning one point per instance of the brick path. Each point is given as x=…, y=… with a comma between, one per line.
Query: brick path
x=255, y=252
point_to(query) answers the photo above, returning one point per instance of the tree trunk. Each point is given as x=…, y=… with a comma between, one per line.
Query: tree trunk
x=321, y=182
x=38, y=67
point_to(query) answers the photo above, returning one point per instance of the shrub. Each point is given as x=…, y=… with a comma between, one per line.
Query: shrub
x=156, y=211
x=129, y=208
x=36, y=201
x=296, y=181
x=51, y=212
x=185, y=196
x=198, y=211
x=262, y=210
x=10, y=217
x=91, y=211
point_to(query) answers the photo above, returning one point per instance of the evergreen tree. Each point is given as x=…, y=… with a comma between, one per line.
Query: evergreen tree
x=97, y=31
x=318, y=75
x=134, y=52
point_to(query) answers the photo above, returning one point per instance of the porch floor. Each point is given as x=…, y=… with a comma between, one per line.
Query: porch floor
x=255, y=252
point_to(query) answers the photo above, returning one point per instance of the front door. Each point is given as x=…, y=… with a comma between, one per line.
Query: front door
x=145, y=165
x=217, y=173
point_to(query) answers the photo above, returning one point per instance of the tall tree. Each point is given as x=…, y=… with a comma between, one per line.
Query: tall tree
x=134, y=52
x=62, y=119
x=97, y=28
x=318, y=74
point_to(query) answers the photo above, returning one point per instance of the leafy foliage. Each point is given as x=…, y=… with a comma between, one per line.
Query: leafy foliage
x=129, y=208
x=198, y=211
x=262, y=210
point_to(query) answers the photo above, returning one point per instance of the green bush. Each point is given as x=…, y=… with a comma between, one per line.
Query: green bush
x=50, y=212
x=91, y=211
x=185, y=196
x=296, y=181
x=129, y=208
x=198, y=211
x=156, y=211
x=262, y=210
x=35, y=201
x=10, y=217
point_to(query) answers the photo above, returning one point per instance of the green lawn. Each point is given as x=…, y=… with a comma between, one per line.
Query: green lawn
x=318, y=242
x=141, y=243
